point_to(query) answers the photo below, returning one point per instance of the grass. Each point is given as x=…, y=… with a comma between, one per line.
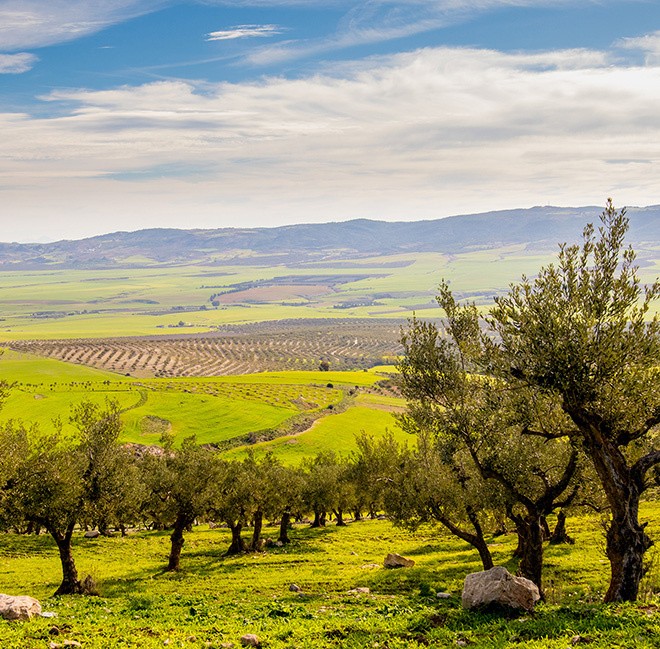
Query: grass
x=216, y=599
x=333, y=432
x=215, y=409
x=153, y=300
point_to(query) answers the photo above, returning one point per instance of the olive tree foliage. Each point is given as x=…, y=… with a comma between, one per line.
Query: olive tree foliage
x=181, y=483
x=113, y=492
x=61, y=480
x=581, y=331
x=233, y=499
x=369, y=469
x=451, y=394
x=432, y=484
x=328, y=488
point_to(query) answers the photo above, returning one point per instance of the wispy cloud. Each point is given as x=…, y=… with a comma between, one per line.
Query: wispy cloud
x=415, y=135
x=375, y=21
x=17, y=63
x=244, y=31
x=648, y=44
x=37, y=23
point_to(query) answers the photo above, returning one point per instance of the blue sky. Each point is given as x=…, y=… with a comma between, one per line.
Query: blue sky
x=127, y=114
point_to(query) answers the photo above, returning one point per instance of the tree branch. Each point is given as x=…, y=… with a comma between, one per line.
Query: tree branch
x=642, y=465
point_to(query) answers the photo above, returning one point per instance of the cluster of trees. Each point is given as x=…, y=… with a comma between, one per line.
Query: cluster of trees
x=550, y=399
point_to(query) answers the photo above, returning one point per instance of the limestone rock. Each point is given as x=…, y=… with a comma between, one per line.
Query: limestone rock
x=92, y=534
x=294, y=588
x=443, y=595
x=19, y=608
x=250, y=640
x=498, y=588
x=394, y=560
x=360, y=590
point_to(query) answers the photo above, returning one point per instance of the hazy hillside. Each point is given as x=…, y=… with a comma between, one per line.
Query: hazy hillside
x=539, y=228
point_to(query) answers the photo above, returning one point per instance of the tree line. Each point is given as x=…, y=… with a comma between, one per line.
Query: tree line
x=549, y=401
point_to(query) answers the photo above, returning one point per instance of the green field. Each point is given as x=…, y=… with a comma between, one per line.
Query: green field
x=216, y=599
x=214, y=409
x=156, y=300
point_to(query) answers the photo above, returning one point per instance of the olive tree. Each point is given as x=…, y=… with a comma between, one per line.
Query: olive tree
x=582, y=332
x=180, y=482
x=445, y=377
x=61, y=479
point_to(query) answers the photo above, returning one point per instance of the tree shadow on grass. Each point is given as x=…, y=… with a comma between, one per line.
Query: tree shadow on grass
x=22, y=545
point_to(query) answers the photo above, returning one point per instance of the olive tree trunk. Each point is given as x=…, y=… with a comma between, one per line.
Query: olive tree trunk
x=70, y=583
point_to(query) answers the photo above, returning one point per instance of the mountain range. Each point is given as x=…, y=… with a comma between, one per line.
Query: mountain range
x=537, y=228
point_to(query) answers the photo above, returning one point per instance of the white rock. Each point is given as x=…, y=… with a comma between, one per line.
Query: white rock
x=498, y=587
x=21, y=607
x=443, y=595
x=394, y=560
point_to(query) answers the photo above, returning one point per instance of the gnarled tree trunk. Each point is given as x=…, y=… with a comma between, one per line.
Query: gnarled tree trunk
x=70, y=583
x=559, y=534
x=285, y=522
x=237, y=544
x=626, y=539
x=258, y=522
x=177, y=541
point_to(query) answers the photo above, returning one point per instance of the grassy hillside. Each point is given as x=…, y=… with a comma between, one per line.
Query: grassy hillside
x=214, y=409
x=216, y=599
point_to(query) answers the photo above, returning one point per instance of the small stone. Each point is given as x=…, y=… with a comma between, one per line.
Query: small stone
x=92, y=534
x=250, y=640
x=360, y=590
x=394, y=560
x=461, y=643
x=227, y=645
x=443, y=595
x=294, y=588
x=53, y=645
x=48, y=614
x=370, y=566
x=279, y=544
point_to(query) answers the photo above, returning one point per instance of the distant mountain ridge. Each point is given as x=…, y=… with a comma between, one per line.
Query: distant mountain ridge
x=539, y=228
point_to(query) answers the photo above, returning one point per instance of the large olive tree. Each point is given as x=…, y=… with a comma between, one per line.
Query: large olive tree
x=582, y=331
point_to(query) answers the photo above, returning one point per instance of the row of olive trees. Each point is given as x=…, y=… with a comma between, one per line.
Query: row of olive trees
x=61, y=483
x=552, y=398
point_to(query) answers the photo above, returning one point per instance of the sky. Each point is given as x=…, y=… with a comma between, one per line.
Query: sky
x=131, y=114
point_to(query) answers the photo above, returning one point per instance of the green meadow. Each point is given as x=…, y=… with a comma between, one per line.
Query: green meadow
x=216, y=599
x=214, y=409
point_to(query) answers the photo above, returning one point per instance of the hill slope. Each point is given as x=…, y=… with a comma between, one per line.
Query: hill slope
x=539, y=228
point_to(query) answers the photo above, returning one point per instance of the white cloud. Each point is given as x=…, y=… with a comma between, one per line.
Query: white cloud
x=649, y=44
x=416, y=135
x=36, y=23
x=17, y=63
x=244, y=31
x=375, y=21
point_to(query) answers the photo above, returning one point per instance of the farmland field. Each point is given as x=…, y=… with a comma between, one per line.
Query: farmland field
x=230, y=410
x=198, y=299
